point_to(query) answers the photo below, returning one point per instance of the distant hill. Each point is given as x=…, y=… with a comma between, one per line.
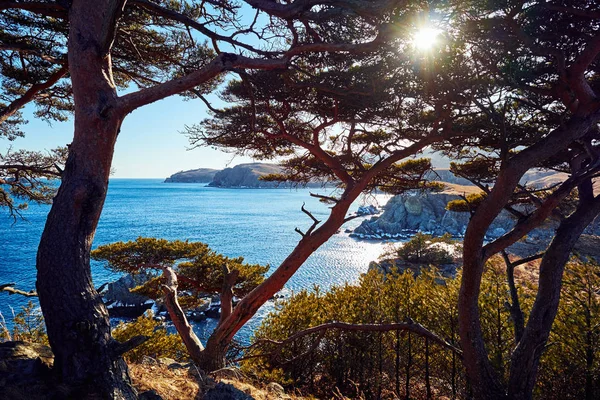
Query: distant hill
x=200, y=175
x=246, y=176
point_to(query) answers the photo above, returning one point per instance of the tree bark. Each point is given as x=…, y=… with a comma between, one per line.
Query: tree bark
x=86, y=357
x=484, y=380
x=185, y=330
x=526, y=356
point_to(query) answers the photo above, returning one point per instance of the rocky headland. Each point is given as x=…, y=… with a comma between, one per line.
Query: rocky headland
x=426, y=212
x=246, y=176
x=241, y=176
x=200, y=175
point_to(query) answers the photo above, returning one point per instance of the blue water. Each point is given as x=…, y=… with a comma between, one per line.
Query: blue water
x=257, y=224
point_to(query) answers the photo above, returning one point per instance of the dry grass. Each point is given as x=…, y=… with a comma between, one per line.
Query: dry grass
x=189, y=383
x=455, y=189
x=170, y=384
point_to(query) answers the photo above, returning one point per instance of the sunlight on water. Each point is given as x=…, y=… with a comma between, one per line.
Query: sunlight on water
x=257, y=224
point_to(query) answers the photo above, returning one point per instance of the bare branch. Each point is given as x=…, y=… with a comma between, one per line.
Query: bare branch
x=8, y=287
x=398, y=326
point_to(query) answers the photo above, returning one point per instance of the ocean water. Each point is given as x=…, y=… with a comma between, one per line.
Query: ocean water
x=257, y=224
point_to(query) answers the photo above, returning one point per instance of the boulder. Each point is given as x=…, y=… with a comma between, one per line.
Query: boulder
x=119, y=291
x=224, y=391
x=23, y=363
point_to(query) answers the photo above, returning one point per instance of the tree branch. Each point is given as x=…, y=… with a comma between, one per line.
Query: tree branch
x=398, y=326
x=50, y=9
x=8, y=287
x=30, y=94
x=187, y=21
x=118, y=349
x=223, y=62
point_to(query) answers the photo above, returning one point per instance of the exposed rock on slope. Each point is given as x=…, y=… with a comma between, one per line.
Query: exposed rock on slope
x=200, y=175
x=426, y=212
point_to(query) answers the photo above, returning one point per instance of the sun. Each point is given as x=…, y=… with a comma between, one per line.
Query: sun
x=426, y=37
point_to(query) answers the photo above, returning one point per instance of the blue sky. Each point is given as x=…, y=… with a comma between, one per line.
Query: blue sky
x=150, y=144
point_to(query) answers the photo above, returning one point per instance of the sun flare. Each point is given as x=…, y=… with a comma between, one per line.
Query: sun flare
x=425, y=38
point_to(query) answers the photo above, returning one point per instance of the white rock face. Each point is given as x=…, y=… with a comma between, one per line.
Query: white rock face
x=426, y=212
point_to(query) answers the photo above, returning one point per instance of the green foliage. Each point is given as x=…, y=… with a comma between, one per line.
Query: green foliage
x=161, y=343
x=425, y=249
x=571, y=365
x=374, y=363
x=29, y=176
x=199, y=269
x=393, y=364
x=469, y=204
x=28, y=326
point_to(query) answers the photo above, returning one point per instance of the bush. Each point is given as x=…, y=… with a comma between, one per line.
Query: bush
x=28, y=326
x=404, y=365
x=425, y=249
x=160, y=345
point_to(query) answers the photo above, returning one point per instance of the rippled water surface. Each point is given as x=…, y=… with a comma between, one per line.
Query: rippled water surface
x=255, y=223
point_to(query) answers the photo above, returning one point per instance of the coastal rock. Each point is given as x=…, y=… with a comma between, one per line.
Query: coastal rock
x=425, y=212
x=367, y=210
x=121, y=302
x=119, y=291
x=225, y=391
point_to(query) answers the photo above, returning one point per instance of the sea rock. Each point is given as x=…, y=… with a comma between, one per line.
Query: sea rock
x=424, y=212
x=119, y=291
x=367, y=210
x=121, y=302
x=213, y=312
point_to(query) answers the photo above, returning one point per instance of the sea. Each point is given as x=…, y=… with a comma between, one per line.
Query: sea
x=257, y=224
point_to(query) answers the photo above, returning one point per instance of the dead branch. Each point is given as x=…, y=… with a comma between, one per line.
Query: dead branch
x=398, y=326
x=315, y=220
x=324, y=198
x=8, y=287
x=121, y=348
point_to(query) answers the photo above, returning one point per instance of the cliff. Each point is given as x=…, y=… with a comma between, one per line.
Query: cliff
x=426, y=212
x=246, y=176
x=200, y=175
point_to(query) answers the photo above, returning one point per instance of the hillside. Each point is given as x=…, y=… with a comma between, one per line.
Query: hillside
x=246, y=176
x=200, y=175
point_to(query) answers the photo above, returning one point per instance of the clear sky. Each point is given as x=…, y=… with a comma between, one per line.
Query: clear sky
x=150, y=144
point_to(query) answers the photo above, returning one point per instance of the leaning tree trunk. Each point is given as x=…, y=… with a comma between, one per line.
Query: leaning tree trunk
x=526, y=357
x=77, y=321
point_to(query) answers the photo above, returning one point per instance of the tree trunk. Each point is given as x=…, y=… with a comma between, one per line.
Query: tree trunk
x=76, y=319
x=186, y=331
x=526, y=356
